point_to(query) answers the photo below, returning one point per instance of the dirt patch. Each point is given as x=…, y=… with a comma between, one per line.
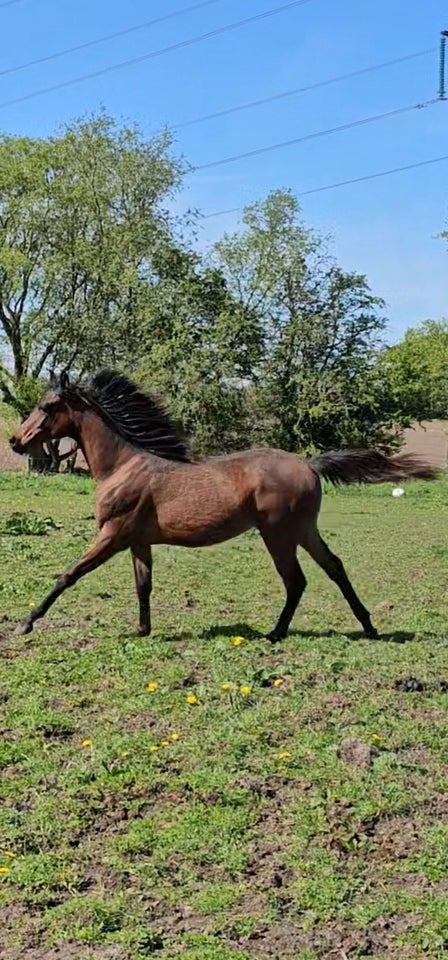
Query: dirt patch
x=66, y=951
x=267, y=872
x=356, y=753
x=138, y=722
x=437, y=806
x=415, y=884
x=24, y=922
x=336, y=701
x=384, y=837
x=382, y=933
x=277, y=940
x=196, y=676
x=395, y=838
x=185, y=920
x=81, y=643
x=113, y=812
x=417, y=756
x=18, y=918
x=8, y=459
x=333, y=941
x=428, y=440
x=427, y=715
x=269, y=788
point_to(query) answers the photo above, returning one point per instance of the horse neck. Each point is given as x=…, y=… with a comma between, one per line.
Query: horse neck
x=104, y=451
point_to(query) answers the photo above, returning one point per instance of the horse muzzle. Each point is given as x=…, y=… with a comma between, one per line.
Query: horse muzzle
x=16, y=445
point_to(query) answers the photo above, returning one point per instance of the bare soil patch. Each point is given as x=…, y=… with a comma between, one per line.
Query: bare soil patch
x=332, y=941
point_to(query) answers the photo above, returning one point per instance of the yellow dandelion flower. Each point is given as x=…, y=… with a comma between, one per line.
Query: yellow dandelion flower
x=375, y=736
x=225, y=686
x=278, y=682
x=283, y=755
x=175, y=736
x=192, y=698
x=153, y=749
x=87, y=742
x=32, y=604
x=9, y=853
x=165, y=743
x=153, y=686
x=125, y=754
x=4, y=870
x=245, y=690
x=237, y=641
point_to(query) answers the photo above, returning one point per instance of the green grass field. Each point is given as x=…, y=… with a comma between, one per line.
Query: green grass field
x=186, y=795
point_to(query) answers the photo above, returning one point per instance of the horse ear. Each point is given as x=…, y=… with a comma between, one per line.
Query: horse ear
x=64, y=380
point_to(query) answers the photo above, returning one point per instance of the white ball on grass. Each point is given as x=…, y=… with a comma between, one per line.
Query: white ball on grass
x=397, y=492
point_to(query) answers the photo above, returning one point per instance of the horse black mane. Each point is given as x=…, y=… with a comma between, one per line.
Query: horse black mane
x=136, y=416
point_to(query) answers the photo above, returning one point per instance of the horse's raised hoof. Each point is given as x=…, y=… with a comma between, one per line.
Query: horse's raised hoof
x=275, y=637
x=371, y=632
x=23, y=628
x=143, y=631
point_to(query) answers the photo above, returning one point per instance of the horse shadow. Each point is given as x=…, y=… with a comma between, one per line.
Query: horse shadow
x=249, y=633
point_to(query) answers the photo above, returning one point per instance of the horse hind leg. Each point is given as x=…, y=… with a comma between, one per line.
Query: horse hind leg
x=334, y=568
x=283, y=553
x=142, y=562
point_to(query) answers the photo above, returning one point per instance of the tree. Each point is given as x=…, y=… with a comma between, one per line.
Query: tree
x=81, y=218
x=416, y=373
x=321, y=327
x=198, y=352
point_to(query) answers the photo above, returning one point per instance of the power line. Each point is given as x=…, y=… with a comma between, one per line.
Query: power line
x=315, y=135
x=342, y=183
x=295, y=90
x=105, y=38
x=273, y=11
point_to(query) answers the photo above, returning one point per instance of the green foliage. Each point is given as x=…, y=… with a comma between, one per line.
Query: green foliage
x=320, y=328
x=23, y=392
x=8, y=420
x=265, y=340
x=415, y=372
x=270, y=343
x=28, y=524
x=198, y=350
x=81, y=217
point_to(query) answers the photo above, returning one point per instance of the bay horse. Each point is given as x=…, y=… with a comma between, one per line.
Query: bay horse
x=151, y=491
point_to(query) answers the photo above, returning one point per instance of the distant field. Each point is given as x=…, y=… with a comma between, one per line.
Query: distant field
x=299, y=812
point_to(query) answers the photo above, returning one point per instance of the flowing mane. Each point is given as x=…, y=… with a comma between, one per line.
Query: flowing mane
x=136, y=416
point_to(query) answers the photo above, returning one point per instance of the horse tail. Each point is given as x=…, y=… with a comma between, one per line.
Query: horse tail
x=370, y=466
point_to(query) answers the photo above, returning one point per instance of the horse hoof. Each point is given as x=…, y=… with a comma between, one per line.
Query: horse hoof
x=275, y=637
x=23, y=628
x=143, y=631
x=371, y=633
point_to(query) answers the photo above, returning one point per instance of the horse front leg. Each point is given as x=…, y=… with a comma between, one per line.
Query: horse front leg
x=107, y=544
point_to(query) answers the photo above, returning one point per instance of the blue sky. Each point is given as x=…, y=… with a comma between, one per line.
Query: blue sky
x=385, y=228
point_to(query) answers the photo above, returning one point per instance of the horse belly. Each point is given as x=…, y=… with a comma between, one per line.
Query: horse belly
x=191, y=524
